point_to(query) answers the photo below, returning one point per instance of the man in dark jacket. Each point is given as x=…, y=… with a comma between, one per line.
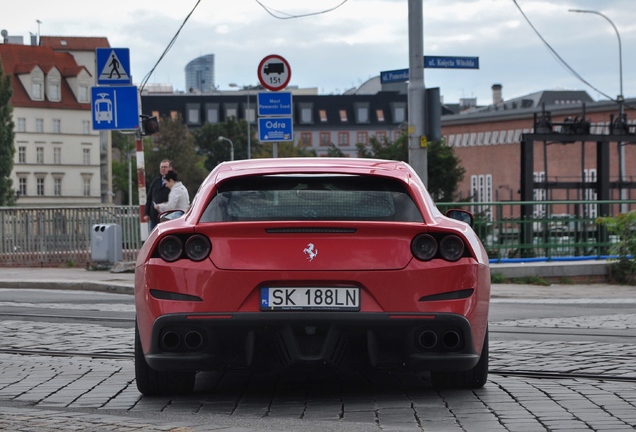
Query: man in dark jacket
x=157, y=193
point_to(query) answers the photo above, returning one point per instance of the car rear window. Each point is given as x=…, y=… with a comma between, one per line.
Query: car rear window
x=319, y=197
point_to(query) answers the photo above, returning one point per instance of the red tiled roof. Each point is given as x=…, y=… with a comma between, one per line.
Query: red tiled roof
x=21, y=59
x=74, y=43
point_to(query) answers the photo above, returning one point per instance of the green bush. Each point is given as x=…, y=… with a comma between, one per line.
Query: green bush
x=624, y=226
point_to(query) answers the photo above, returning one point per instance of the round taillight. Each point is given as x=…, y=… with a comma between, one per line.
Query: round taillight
x=451, y=248
x=424, y=247
x=198, y=247
x=170, y=248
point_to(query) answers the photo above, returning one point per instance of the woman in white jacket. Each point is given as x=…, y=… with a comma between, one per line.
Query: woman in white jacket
x=178, y=199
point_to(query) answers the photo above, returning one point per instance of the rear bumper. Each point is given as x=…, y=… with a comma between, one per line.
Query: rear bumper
x=209, y=341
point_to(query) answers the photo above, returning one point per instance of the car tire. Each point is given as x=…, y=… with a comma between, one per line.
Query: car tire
x=151, y=382
x=471, y=379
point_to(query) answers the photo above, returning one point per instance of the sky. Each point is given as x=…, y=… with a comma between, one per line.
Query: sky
x=335, y=45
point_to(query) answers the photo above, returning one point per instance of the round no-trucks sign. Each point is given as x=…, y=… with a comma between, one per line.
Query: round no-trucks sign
x=274, y=72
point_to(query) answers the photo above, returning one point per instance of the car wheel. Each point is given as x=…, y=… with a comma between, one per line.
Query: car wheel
x=151, y=382
x=470, y=379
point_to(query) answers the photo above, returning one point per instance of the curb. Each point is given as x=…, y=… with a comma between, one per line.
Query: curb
x=107, y=287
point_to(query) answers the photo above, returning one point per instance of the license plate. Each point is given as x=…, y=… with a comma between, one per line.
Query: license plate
x=310, y=298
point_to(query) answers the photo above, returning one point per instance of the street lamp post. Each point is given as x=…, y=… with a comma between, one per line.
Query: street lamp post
x=247, y=118
x=620, y=99
x=222, y=138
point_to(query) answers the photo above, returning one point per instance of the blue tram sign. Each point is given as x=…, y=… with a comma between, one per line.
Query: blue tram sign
x=115, y=108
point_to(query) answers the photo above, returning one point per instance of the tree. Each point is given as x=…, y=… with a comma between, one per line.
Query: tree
x=124, y=148
x=385, y=149
x=285, y=149
x=176, y=143
x=207, y=141
x=444, y=171
x=333, y=151
x=7, y=135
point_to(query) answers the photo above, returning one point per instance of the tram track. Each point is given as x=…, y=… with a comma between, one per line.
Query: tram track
x=67, y=317
x=49, y=353
x=561, y=375
x=501, y=372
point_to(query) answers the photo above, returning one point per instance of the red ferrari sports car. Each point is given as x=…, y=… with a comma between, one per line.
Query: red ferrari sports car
x=307, y=262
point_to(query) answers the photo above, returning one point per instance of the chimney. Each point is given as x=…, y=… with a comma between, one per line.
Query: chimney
x=496, y=94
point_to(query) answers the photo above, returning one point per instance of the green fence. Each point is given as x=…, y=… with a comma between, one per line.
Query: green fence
x=58, y=236
x=555, y=229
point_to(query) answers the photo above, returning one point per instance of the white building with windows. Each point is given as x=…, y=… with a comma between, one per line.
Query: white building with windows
x=59, y=159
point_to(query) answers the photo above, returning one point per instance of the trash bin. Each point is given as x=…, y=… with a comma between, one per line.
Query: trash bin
x=106, y=243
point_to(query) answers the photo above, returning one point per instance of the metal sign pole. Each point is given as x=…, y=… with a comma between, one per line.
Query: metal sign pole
x=141, y=181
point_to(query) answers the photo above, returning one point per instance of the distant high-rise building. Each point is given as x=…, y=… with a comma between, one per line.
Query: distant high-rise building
x=200, y=74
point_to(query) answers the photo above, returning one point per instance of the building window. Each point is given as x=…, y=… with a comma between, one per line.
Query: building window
x=539, y=194
x=22, y=186
x=481, y=186
x=193, y=114
x=83, y=93
x=325, y=138
x=212, y=113
x=362, y=138
x=39, y=125
x=399, y=112
x=381, y=136
x=57, y=155
x=231, y=112
x=36, y=89
x=396, y=135
x=343, y=115
x=343, y=138
x=590, y=194
x=306, y=114
x=57, y=186
x=250, y=115
x=323, y=115
x=40, y=186
x=362, y=113
x=87, y=185
x=86, y=127
x=39, y=155
x=21, y=125
x=57, y=126
x=54, y=92
x=380, y=115
x=22, y=154
x=87, y=156
x=305, y=138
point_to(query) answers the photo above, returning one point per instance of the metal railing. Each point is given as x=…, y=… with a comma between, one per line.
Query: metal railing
x=557, y=230
x=61, y=236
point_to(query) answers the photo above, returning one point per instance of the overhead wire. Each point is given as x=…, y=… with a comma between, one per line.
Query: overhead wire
x=270, y=11
x=174, y=38
x=558, y=57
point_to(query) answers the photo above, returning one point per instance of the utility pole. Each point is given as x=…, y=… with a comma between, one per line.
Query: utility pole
x=418, y=157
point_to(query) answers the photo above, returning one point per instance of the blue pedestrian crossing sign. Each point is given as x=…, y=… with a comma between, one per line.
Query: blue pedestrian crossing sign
x=115, y=108
x=113, y=66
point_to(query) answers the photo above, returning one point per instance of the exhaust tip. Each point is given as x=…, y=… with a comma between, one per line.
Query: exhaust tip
x=427, y=339
x=171, y=340
x=193, y=340
x=451, y=340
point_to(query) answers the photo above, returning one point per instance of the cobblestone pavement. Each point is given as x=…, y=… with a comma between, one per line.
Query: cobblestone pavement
x=52, y=393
